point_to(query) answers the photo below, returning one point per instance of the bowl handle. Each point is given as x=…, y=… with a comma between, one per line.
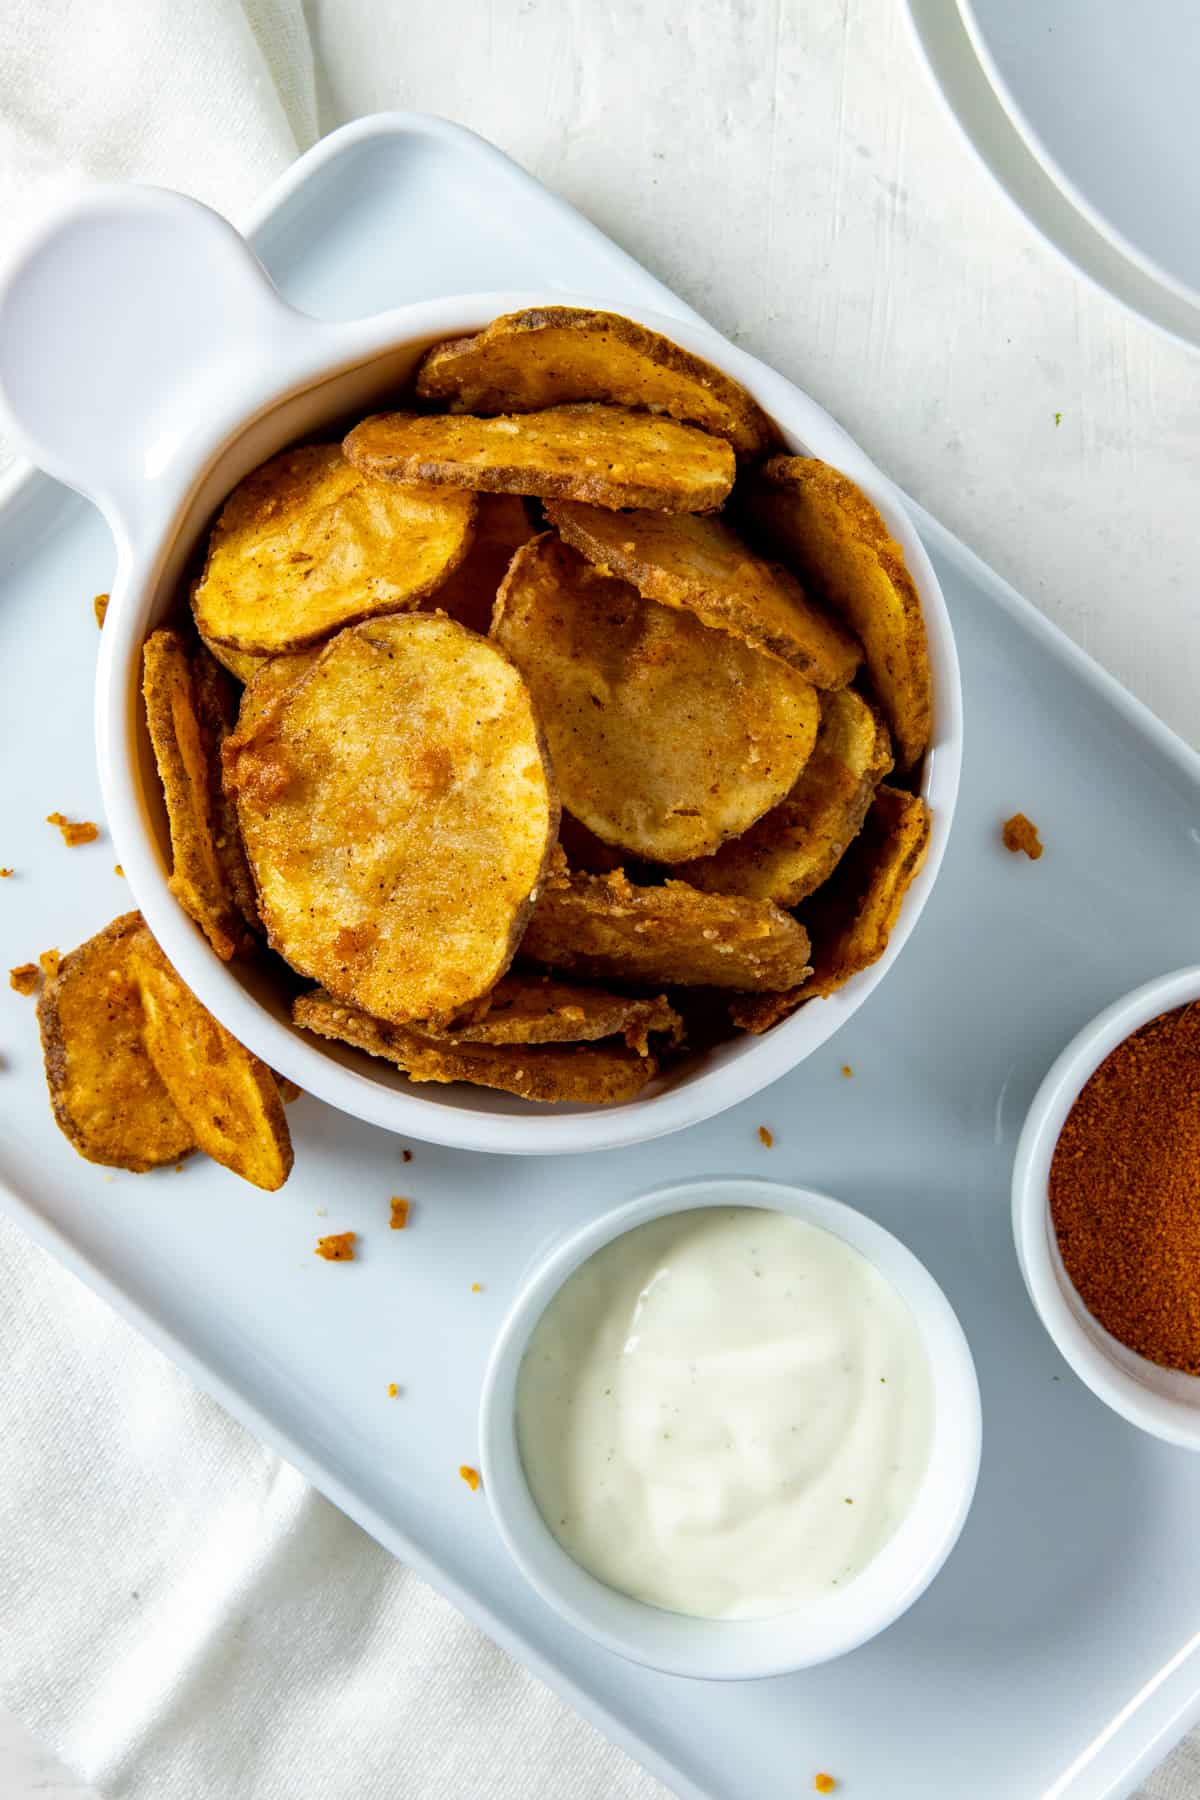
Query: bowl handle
x=136, y=329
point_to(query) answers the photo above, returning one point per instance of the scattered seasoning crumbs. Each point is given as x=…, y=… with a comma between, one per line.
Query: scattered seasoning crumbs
x=1020, y=833
x=407, y=1155
x=847, y=1071
x=400, y=1208
x=118, y=870
x=25, y=978
x=477, y=1287
x=50, y=960
x=824, y=1784
x=4, y=874
x=100, y=607
x=1058, y=419
x=75, y=831
x=469, y=1475
x=337, y=1248
x=766, y=1138
x=393, y=1390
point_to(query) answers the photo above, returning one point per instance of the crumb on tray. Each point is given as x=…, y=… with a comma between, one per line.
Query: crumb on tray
x=25, y=978
x=766, y=1138
x=1020, y=833
x=100, y=607
x=74, y=831
x=469, y=1475
x=338, y=1247
x=400, y=1211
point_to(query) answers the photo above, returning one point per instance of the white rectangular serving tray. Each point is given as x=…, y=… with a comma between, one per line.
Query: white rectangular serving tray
x=1058, y=1654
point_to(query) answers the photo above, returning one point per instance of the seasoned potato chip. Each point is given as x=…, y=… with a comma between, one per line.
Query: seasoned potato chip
x=108, y=1098
x=702, y=567
x=835, y=540
x=243, y=665
x=851, y=918
x=228, y=1098
x=533, y=1009
x=204, y=845
x=309, y=543
x=603, y=926
x=398, y=811
x=798, y=844
x=605, y=454
x=666, y=738
x=217, y=711
x=552, y=355
x=598, y=1075
x=276, y=678
x=503, y=524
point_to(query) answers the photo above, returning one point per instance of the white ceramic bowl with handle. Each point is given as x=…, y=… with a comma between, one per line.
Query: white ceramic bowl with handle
x=1164, y=1402
x=146, y=360
x=743, y=1649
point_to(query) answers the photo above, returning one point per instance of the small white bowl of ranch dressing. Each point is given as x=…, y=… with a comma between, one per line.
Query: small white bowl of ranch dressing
x=731, y=1429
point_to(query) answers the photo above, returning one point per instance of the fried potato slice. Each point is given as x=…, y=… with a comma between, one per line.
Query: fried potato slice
x=503, y=524
x=309, y=543
x=606, y=454
x=597, y=1075
x=243, y=665
x=398, y=812
x=229, y=1100
x=217, y=710
x=851, y=918
x=666, y=738
x=108, y=1098
x=796, y=847
x=552, y=355
x=207, y=875
x=837, y=543
x=603, y=926
x=703, y=567
x=276, y=677
x=533, y=1009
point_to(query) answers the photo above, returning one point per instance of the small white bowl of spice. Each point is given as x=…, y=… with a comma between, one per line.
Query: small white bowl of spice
x=731, y=1429
x=1106, y=1206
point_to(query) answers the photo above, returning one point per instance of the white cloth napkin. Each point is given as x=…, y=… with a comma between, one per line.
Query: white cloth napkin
x=181, y=1617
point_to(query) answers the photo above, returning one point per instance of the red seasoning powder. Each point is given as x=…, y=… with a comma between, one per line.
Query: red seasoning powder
x=1125, y=1191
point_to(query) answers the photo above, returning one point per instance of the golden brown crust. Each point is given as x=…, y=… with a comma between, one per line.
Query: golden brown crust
x=188, y=765
x=554, y=355
x=243, y=665
x=398, y=811
x=525, y=1008
x=794, y=849
x=852, y=917
x=596, y=1075
x=107, y=1096
x=503, y=524
x=229, y=1100
x=836, y=541
x=608, y=455
x=217, y=712
x=703, y=567
x=666, y=738
x=603, y=927
x=308, y=543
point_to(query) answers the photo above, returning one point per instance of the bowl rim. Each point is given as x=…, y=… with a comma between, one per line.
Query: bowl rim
x=744, y=1649
x=1100, y=1361
x=695, y=1097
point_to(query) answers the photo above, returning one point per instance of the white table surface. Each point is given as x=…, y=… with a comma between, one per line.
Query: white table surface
x=786, y=168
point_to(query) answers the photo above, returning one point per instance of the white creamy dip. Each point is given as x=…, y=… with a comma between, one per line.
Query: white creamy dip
x=725, y=1412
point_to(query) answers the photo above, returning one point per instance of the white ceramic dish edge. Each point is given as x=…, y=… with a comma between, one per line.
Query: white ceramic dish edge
x=746, y=1649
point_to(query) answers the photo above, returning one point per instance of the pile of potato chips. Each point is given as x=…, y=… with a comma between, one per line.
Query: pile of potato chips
x=568, y=702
